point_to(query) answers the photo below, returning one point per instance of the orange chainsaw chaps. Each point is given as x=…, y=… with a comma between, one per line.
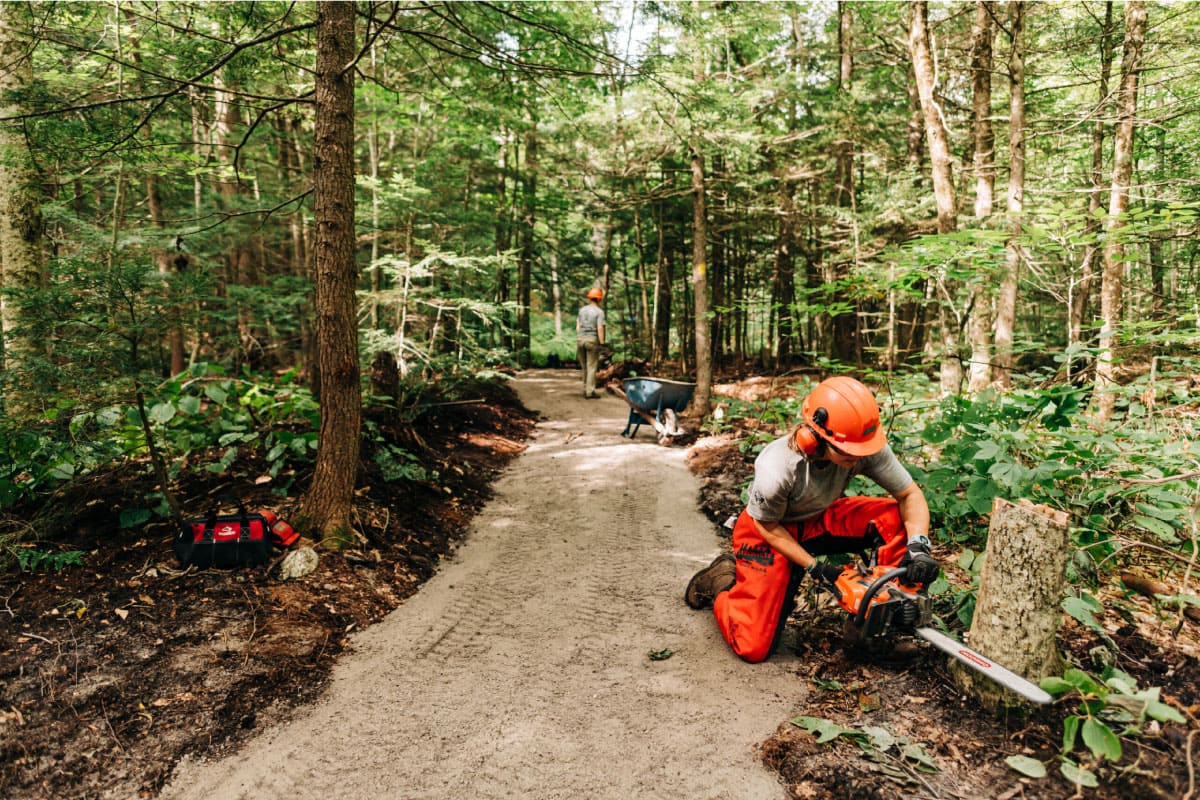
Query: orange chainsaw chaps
x=749, y=615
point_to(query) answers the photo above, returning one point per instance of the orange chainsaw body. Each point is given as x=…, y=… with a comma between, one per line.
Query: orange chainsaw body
x=881, y=606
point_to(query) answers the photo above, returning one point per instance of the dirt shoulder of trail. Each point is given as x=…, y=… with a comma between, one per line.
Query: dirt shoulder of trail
x=111, y=672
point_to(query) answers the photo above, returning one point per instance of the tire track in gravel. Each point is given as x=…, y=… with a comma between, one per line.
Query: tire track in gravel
x=521, y=669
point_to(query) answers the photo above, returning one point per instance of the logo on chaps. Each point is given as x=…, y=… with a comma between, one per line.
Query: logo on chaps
x=758, y=553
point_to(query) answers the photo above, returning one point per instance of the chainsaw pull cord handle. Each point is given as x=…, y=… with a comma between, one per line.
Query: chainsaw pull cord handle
x=860, y=617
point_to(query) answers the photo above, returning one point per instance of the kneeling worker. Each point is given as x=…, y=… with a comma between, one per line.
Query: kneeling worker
x=796, y=511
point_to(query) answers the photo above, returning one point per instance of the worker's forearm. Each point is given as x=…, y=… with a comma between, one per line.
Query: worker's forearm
x=915, y=513
x=782, y=542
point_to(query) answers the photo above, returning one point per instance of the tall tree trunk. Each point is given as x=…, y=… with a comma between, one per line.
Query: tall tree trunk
x=943, y=182
x=845, y=325
x=981, y=127
x=556, y=294
x=1114, y=249
x=783, y=278
x=663, y=280
x=525, y=261
x=984, y=140
x=701, y=404
x=1006, y=301
x=701, y=398
x=328, y=504
x=1082, y=290
x=20, y=214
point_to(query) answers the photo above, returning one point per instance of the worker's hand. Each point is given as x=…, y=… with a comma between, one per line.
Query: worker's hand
x=923, y=568
x=823, y=574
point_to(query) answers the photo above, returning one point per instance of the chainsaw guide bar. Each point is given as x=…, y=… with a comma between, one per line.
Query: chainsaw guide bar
x=881, y=605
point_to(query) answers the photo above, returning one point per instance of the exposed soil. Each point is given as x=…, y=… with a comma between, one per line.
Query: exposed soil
x=111, y=672
x=114, y=672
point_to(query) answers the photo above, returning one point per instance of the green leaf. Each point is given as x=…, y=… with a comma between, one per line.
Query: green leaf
x=1100, y=739
x=981, y=493
x=1025, y=765
x=1081, y=610
x=64, y=471
x=824, y=730
x=914, y=752
x=1156, y=709
x=881, y=738
x=1056, y=685
x=1162, y=530
x=162, y=413
x=216, y=394
x=660, y=655
x=1070, y=732
x=987, y=451
x=1082, y=681
x=1077, y=774
x=189, y=404
x=132, y=517
x=966, y=560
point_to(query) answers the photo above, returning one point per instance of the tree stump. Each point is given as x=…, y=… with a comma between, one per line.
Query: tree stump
x=1020, y=588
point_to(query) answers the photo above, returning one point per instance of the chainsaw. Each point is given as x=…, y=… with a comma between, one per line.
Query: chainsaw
x=882, y=606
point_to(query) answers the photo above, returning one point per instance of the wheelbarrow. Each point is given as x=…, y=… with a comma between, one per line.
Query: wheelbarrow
x=655, y=401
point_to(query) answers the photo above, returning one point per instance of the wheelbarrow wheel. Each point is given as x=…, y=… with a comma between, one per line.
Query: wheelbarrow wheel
x=670, y=426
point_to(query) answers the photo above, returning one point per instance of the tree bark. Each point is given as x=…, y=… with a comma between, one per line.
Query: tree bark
x=328, y=505
x=20, y=214
x=701, y=404
x=1083, y=289
x=701, y=398
x=1020, y=587
x=1006, y=302
x=1112, y=280
x=935, y=129
x=525, y=262
x=984, y=142
x=943, y=181
x=981, y=127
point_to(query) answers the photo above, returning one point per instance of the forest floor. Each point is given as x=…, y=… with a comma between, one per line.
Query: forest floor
x=115, y=672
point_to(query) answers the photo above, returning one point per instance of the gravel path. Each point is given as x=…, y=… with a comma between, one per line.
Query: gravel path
x=521, y=669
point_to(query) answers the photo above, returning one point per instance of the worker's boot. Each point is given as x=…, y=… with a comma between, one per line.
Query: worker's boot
x=711, y=581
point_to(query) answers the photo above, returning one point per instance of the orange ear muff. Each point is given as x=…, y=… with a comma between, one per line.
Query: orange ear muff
x=807, y=441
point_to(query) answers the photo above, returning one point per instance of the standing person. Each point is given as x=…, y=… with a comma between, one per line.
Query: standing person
x=589, y=336
x=797, y=511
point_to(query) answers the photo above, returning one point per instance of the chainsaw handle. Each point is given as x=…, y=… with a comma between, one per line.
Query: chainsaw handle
x=860, y=617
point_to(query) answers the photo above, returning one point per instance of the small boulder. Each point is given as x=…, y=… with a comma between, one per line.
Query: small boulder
x=298, y=563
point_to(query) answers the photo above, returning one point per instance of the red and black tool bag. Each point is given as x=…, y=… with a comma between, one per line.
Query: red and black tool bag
x=234, y=540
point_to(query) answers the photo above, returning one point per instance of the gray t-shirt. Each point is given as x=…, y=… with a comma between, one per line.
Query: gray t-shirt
x=788, y=487
x=587, y=325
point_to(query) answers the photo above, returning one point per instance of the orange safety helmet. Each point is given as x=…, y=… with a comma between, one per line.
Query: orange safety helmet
x=595, y=294
x=841, y=412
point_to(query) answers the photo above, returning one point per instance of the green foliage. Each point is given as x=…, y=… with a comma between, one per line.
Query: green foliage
x=875, y=741
x=200, y=416
x=29, y=558
x=1111, y=710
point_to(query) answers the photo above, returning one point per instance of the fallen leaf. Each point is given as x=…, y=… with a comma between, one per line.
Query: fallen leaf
x=120, y=612
x=868, y=703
